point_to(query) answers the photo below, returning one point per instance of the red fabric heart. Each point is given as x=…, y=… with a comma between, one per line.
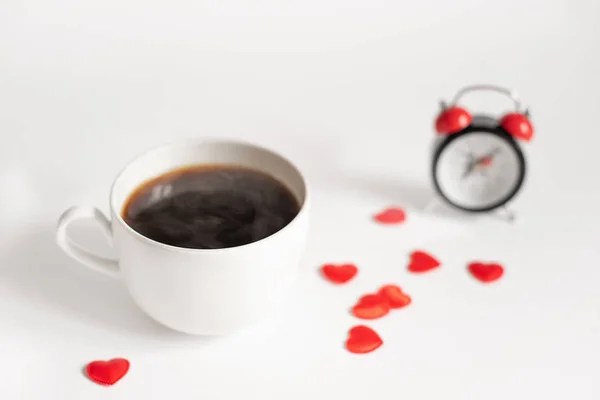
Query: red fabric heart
x=392, y=215
x=421, y=261
x=107, y=372
x=371, y=306
x=339, y=273
x=362, y=339
x=486, y=272
x=395, y=297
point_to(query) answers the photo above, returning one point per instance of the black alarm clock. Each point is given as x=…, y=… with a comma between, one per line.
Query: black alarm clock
x=478, y=164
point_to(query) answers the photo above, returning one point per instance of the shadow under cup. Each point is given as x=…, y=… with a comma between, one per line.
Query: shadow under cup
x=208, y=291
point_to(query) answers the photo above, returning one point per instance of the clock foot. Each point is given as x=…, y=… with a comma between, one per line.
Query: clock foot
x=506, y=214
x=503, y=213
x=432, y=205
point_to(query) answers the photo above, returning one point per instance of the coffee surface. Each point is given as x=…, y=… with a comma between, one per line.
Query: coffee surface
x=210, y=207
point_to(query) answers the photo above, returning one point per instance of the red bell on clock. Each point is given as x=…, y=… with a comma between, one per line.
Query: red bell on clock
x=452, y=120
x=518, y=125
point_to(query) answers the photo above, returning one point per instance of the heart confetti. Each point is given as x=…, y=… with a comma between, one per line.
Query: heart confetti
x=421, y=261
x=107, y=372
x=362, y=340
x=485, y=272
x=395, y=297
x=339, y=273
x=371, y=306
x=392, y=215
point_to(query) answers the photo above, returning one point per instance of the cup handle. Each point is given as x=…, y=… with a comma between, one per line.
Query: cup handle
x=97, y=263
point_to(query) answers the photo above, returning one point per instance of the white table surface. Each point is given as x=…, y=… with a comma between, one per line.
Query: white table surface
x=347, y=90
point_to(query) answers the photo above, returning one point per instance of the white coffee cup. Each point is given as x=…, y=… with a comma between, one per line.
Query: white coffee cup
x=197, y=291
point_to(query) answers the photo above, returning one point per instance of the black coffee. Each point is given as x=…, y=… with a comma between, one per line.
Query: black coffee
x=210, y=207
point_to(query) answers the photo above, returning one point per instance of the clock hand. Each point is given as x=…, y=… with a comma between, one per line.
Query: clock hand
x=470, y=167
x=487, y=156
x=474, y=162
x=468, y=155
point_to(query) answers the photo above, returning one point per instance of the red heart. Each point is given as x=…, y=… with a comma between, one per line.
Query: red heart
x=394, y=296
x=339, y=273
x=422, y=262
x=392, y=215
x=371, y=306
x=486, y=272
x=362, y=339
x=107, y=372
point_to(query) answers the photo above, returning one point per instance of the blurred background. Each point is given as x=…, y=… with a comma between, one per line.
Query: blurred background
x=105, y=80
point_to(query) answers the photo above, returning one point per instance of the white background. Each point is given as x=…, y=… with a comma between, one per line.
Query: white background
x=348, y=90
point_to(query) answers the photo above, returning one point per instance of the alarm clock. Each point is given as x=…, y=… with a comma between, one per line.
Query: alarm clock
x=478, y=165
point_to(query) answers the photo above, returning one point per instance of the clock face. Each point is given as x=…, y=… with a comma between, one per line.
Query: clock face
x=479, y=170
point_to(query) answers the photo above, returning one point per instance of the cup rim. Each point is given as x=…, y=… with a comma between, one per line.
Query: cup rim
x=116, y=214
